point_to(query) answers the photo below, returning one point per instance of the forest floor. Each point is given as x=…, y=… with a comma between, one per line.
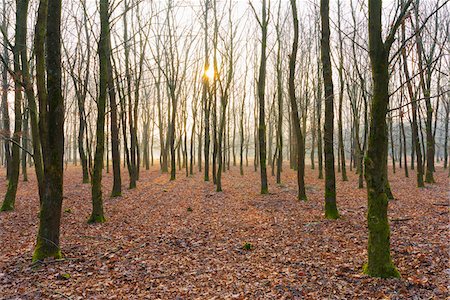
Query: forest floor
x=182, y=240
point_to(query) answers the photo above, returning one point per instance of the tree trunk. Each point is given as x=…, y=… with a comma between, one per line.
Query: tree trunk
x=117, y=179
x=415, y=129
x=300, y=158
x=447, y=120
x=391, y=135
x=5, y=87
x=331, y=211
x=280, y=115
x=25, y=142
x=97, y=215
x=51, y=127
x=261, y=87
x=341, y=98
x=379, y=258
x=405, y=160
x=19, y=47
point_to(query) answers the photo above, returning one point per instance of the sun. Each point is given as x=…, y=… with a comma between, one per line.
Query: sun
x=209, y=73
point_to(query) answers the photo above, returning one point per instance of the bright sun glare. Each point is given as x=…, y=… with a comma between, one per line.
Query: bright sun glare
x=209, y=73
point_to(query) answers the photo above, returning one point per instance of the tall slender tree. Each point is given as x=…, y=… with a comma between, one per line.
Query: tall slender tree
x=341, y=95
x=205, y=91
x=51, y=115
x=414, y=120
x=331, y=211
x=261, y=88
x=97, y=215
x=19, y=46
x=300, y=153
x=6, y=130
x=379, y=257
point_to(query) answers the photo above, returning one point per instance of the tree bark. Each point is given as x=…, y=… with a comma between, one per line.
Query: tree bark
x=20, y=40
x=341, y=98
x=5, y=87
x=331, y=211
x=415, y=129
x=51, y=127
x=261, y=87
x=300, y=159
x=97, y=215
x=379, y=258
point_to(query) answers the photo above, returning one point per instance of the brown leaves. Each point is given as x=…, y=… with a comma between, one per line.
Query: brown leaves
x=154, y=247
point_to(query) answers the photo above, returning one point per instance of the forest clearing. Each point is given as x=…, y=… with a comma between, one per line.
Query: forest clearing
x=182, y=240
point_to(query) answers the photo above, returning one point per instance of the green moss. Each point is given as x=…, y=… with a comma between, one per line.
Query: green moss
x=264, y=190
x=331, y=211
x=7, y=206
x=429, y=177
x=379, y=258
x=189, y=209
x=247, y=246
x=115, y=194
x=330, y=194
x=64, y=276
x=385, y=271
x=331, y=214
x=45, y=250
x=388, y=190
x=96, y=219
x=10, y=196
x=302, y=198
x=68, y=210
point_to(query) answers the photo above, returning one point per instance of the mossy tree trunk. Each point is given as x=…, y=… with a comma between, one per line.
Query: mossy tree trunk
x=20, y=40
x=32, y=110
x=379, y=262
x=97, y=215
x=379, y=258
x=331, y=211
x=51, y=126
x=300, y=159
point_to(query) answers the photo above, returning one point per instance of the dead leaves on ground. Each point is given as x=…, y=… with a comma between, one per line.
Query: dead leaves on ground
x=182, y=240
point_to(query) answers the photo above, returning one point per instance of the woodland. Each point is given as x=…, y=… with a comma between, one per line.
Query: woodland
x=224, y=149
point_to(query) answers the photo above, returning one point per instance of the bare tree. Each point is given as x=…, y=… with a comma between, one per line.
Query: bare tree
x=331, y=211
x=263, y=22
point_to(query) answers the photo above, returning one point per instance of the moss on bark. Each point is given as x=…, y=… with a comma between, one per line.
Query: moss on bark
x=96, y=218
x=380, y=263
x=44, y=250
